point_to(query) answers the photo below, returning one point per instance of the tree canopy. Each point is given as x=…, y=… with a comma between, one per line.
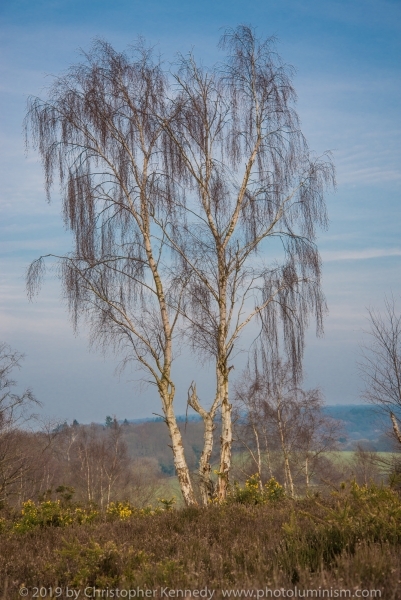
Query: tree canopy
x=194, y=201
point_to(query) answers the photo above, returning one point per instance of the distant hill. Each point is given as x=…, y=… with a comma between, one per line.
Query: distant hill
x=362, y=423
x=149, y=437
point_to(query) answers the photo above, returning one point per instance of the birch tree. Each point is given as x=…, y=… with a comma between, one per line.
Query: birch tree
x=99, y=133
x=252, y=429
x=196, y=202
x=280, y=418
x=253, y=196
x=380, y=365
x=268, y=399
x=317, y=435
x=101, y=463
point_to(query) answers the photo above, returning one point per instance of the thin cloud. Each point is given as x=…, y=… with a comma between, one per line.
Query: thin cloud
x=335, y=255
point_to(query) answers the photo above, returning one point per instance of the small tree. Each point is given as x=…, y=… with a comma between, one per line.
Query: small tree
x=275, y=417
x=99, y=463
x=317, y=434
x=109, y=421
x=15, y=458
x=380, y=365
x=365, y=466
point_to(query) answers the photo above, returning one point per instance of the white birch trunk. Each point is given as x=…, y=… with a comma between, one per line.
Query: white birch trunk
x=205, y=469
x=269, y=464
x=287, y=469
x=225, y=442
x=396, y=429
x=259, y=460
x=180, y=463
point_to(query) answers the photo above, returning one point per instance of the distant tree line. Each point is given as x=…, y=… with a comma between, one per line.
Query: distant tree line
x=280, y=433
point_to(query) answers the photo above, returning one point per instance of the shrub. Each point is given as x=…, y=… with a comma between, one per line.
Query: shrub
x=367, y=514
x=254, y=493
x=350, y=539
x=125, y=510
x=52, y=514
x=167, y=503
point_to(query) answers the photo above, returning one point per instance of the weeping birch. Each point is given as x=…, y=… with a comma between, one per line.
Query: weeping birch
x=100, y=134
x=254, y=196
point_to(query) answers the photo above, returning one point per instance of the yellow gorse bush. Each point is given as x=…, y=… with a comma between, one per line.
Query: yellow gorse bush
x=254, y=493
x=125, y=510
x=121, y=510
x=55, y=513
x=167, y=503
x=52, y=513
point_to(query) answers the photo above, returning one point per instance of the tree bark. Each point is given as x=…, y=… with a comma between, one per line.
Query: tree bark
x=205, y=482
x=269, y=464
x=395, y=427
x=225, y=441
x=307, y=472
x=180, y=462
x=287, y=469
x=259, y=461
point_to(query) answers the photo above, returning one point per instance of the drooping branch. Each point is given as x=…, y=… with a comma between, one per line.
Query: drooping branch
x=100, y=133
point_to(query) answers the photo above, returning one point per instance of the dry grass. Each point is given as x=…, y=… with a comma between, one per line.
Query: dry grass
x=351, y=540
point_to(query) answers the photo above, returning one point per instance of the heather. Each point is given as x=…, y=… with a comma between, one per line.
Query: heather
x=350, y=538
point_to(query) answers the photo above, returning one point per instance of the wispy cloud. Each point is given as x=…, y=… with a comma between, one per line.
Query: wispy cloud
x=335, y=255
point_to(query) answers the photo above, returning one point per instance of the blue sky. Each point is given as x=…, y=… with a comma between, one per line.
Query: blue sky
x=348, y=61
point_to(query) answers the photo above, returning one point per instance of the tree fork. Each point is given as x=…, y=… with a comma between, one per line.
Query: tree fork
x=205, y=482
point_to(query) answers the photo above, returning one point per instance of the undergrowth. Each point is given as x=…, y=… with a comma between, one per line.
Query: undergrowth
x=258, y=538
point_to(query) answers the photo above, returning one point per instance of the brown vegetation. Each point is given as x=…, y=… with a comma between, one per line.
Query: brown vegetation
x=351, y=539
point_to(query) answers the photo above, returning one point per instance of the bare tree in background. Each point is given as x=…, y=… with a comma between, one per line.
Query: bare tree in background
x=100, y=133
x=15, y=411
x=267, y=398
x=317, y=434
x=381, y=363
x=118, y=460
x=252, y=429
x=276, y=417
x=101, y=462
x=367, y=466
x=253, y=196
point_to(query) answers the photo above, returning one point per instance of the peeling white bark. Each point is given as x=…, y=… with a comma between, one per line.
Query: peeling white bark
x=205, y=482
x=396, y=429
x=225, y=443
x=287, y=468
x=180, y=463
